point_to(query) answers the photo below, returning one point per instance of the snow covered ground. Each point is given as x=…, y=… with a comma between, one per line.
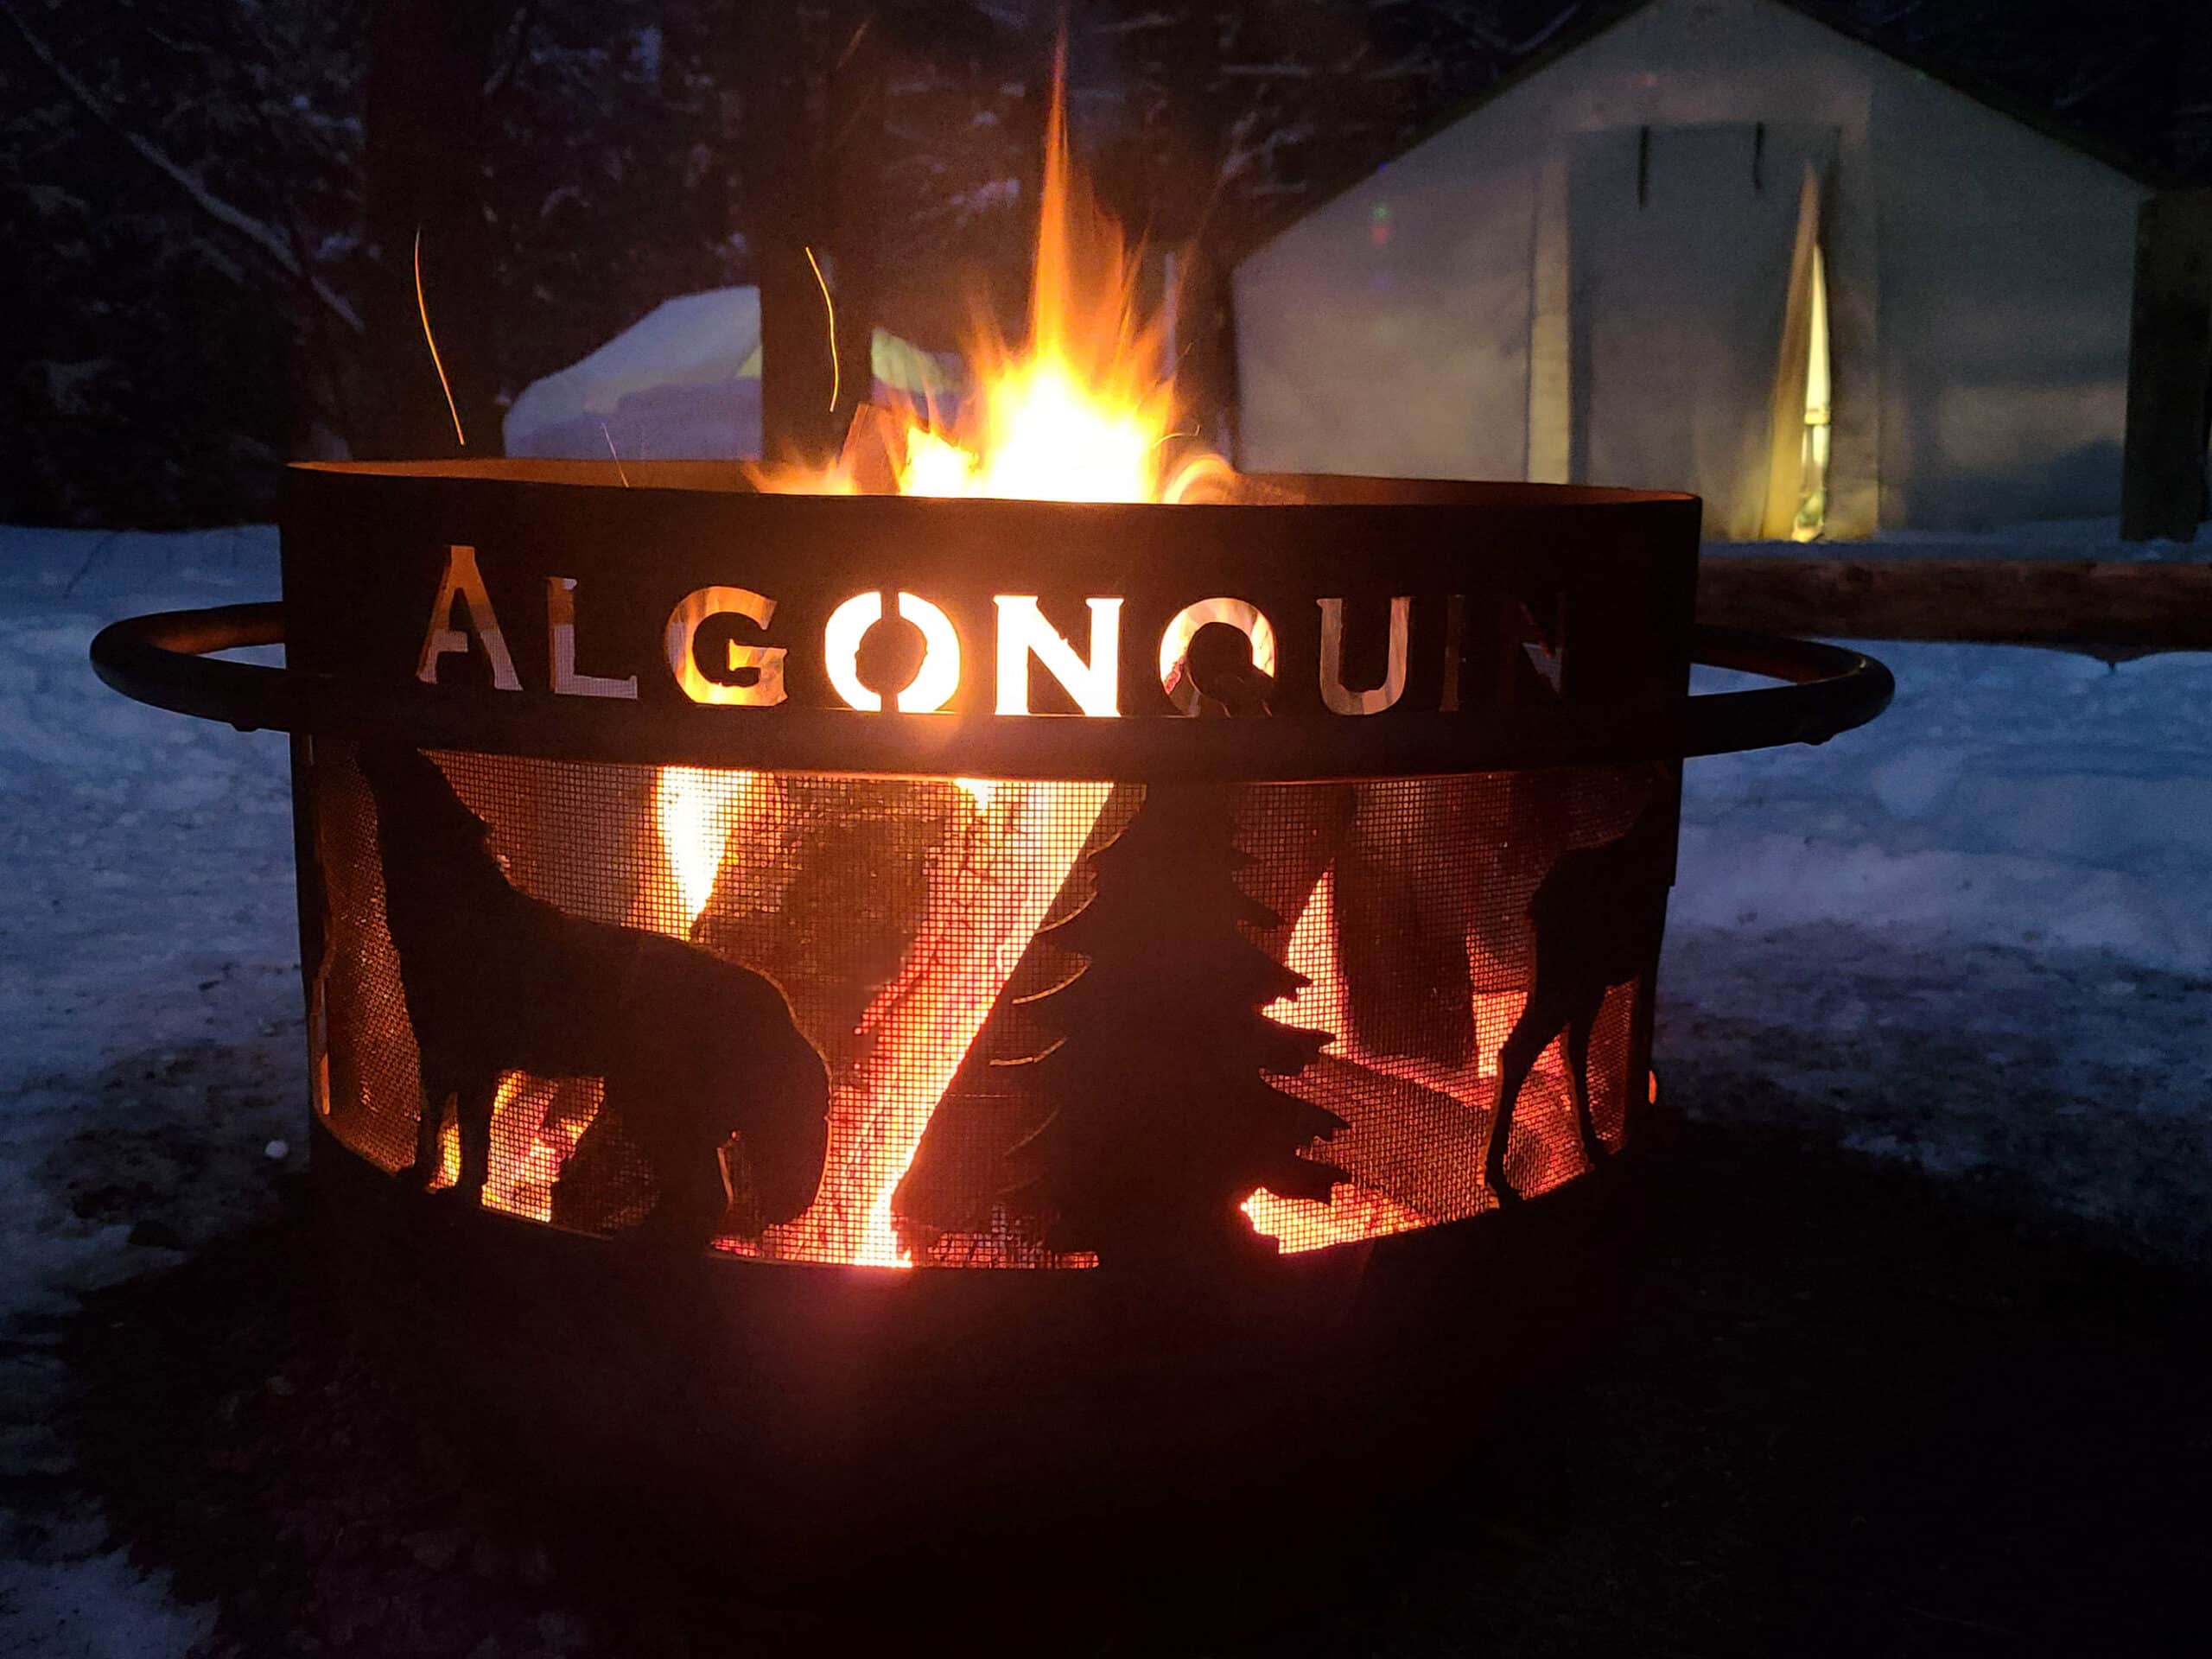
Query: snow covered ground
x=2037, y=799
x=1976, y=935
x=149, y=1042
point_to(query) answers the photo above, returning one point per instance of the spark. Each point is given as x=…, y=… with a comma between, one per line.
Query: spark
x=436, y=362
x=829, y=306
x=617, y=453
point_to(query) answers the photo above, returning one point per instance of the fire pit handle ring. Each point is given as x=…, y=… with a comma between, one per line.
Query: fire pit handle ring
x=167, y=659
x=1826, y=690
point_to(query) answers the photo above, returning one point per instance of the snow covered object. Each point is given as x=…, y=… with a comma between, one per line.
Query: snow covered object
x=1163, y=1120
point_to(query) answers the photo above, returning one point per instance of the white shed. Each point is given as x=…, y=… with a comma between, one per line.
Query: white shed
x=1719, y=246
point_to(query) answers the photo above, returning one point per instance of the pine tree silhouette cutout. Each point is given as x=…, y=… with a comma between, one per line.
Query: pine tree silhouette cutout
x=1162, y=1121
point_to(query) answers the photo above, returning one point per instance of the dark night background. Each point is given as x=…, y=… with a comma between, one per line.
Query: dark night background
x=208, y=210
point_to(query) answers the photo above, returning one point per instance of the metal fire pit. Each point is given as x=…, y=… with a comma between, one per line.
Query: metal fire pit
x=1038, y=996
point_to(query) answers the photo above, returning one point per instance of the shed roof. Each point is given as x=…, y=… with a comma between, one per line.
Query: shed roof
x=1604, y=19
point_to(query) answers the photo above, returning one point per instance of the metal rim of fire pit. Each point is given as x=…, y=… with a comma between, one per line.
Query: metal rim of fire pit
x=165, y=659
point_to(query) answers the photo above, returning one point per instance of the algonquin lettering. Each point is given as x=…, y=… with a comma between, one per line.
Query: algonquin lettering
x=1468, y=637
x=1335, y=695
x=561, y=648
x=936, y=678
x=766, y=662
x=461, y=580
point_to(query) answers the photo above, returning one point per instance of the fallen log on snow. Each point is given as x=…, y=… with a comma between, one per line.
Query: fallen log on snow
x=2093, y=605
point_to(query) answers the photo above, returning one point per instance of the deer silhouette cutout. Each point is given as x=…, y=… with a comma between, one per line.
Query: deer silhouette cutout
x=1599, y=914
x=691, y=1049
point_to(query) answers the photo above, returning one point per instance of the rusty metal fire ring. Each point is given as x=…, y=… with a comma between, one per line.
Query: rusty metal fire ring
x=167, y=660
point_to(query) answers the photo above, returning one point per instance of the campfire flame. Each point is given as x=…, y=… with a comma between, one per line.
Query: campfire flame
x=1084, y=409
x=1080, y=414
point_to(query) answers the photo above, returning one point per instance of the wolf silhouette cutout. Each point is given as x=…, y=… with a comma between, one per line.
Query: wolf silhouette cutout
x=1599, y=915
x=691, y=1049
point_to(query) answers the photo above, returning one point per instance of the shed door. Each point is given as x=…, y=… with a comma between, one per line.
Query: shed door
x=1684, y=243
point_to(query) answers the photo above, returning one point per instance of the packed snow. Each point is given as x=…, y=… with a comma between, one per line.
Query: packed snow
x=1975, y=935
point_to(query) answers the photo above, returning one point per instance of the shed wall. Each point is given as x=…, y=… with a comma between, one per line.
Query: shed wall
x=1980, y=275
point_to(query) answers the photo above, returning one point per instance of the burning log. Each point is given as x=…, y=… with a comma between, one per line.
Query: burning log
x=1402, y=934
x=952, y=1202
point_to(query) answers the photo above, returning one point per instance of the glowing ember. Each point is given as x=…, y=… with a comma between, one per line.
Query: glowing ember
x=532, y=1136
x=543, y=1119
x=1351, y=1213
x=1356, y=1212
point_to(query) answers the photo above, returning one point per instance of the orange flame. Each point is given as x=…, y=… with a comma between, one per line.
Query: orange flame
x=1084, y=409
x=695, y=807
x=1081, y=413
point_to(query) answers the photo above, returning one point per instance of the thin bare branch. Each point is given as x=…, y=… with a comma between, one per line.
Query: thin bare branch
x=2088, y=83
x=1506, y=45
x=262, y=236
x=517, y=48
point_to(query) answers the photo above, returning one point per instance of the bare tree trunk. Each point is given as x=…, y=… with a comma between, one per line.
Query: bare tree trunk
x=2168, y=370
x=1187, y=199
x=786, y=216
x=859, y=55
x=428, y=134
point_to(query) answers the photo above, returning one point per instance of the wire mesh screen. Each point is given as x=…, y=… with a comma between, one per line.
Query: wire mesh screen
x=959, y=1023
